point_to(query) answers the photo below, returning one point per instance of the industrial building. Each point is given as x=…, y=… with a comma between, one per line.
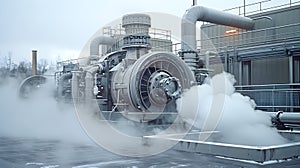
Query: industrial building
x=264, y=60
x=133, y=74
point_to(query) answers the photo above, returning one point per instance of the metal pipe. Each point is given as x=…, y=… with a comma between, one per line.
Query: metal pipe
x=34, y=62
x=200, y=13
x=61, y=82
x=209, y=54
x=89, y=81
x=100, y=40
x=286, y=117
x=285, y=120
x=293, y=118
x=240, y=72
x=75, y=86
x=291, y=69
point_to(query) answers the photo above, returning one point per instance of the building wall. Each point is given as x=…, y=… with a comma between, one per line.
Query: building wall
x=217, y=33
x=270, y=71
x=260, y=56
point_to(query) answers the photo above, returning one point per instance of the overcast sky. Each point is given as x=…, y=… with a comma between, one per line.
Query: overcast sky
x=62, y=27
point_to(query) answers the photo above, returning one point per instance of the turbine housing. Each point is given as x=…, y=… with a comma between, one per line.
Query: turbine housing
x=151, y=84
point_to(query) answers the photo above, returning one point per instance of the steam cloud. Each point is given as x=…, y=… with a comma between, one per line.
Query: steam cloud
x=217, y=104
x=220, y=108
x=39, y=117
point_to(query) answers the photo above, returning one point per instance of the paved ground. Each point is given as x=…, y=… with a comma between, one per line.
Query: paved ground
x=33, y=153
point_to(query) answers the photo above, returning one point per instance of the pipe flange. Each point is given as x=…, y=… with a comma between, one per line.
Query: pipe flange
x=172, y=87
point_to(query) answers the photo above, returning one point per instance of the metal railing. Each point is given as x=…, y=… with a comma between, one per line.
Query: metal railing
x=153, y=32
x=261, y=6
x=249, y=38
x=270, y=35
x=254, y=37
x=273, y=97
x=160, y=33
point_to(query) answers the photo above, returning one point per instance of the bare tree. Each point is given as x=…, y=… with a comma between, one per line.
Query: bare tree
x=42, y=66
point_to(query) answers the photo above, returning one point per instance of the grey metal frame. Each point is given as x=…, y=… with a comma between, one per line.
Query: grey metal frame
x=259, y=154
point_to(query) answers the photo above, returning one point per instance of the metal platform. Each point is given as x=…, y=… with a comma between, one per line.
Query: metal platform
x=258, y=154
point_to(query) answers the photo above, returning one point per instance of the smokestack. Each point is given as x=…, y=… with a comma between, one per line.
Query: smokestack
x=34, y=62
x=194, y=2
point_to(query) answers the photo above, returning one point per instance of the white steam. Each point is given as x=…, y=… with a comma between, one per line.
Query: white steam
x=40, y=117
x=217, y=104
x=220, y=108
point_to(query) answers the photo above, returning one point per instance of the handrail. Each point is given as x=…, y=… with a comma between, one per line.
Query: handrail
x=273, y=90
x=242, y=42
x=268, y=85
x=250, y=4
x=273, y=97
x=246, y=5
x=255, y=31
x=261, y=9
x=248, y=41
x=163, y=33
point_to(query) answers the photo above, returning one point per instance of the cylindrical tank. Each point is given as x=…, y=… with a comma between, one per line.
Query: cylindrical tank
x=137, y=39
x=136, y=23
x=31, y=84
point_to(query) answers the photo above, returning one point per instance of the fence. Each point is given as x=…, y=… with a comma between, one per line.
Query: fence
x=274, y=97
x=261, y=36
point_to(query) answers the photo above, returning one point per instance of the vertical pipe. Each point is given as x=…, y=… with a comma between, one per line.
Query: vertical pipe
x=244, y=7
x=75, y=88
x=207, y=60
x=259, y=6
x=291, y=69
x=240, y=72
x=273, y=98
x=226, y=63
x=34, y=62
x=209, y=54
x=291, y=74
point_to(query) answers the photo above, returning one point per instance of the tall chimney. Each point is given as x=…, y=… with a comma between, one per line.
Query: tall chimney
x=194, y=2
x=34, y=62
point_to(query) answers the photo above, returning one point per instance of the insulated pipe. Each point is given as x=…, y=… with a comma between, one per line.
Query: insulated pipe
x=30, y=84
x=89, y=81
x=101, y=40
x=62, y=79
x=75, y=86
x=286, y=117
x=208, y=54
x=200, y=13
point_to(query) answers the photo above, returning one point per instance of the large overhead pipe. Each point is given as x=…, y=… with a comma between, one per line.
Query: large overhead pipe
x=96, y=42
x=200, y=13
